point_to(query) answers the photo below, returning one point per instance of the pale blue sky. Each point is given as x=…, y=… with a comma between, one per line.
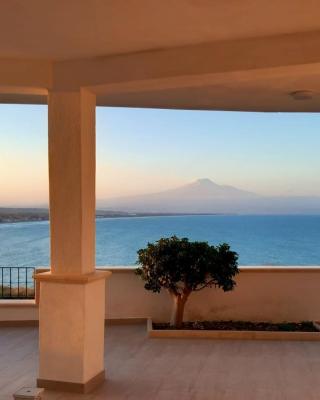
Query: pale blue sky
x=140, y=151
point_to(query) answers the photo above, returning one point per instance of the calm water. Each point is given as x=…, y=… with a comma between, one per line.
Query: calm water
x=259, y=240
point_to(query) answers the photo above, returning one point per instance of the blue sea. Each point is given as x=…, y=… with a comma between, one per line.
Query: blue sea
x=259, y=240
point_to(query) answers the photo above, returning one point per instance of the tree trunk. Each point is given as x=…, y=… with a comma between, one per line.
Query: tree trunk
x=177, y=310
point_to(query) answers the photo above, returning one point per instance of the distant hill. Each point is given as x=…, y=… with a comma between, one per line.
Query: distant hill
x=23, y=214
x=205, y=196
x=8, y=215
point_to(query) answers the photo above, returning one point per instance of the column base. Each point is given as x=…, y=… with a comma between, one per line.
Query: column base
x=72, y=387
x=71, y=334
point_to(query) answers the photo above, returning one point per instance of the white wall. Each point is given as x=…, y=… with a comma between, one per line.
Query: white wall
x=18, y=310
x=262, y=293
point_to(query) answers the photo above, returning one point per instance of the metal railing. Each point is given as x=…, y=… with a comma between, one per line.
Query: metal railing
x=17, y=283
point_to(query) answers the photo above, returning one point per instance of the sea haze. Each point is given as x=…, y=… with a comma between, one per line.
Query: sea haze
x=259, y=240
x=206, y=196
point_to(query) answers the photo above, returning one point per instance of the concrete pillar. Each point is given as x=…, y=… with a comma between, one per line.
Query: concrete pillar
x=72, y=181
x=72, y=294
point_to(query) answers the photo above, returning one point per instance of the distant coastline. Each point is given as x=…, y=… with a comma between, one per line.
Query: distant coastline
x=201, y=197
x=12, y=215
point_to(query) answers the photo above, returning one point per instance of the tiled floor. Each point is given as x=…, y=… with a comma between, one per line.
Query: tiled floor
x=155, y=369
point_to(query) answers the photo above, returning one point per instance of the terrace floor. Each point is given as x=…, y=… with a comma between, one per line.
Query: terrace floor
x=155, y=369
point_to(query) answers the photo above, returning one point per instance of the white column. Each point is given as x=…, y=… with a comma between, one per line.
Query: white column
x=72, y=294
x=72, y=181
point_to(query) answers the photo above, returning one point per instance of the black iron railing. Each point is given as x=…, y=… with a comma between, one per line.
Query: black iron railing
x=17, y=283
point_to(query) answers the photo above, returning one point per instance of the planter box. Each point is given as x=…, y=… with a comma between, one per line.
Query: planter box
x=231, y=335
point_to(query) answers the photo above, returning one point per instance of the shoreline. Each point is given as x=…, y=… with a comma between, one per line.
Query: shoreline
x=16, y=219
x=21, y=216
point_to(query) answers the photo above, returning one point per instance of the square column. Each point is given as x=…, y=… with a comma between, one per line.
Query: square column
x=72, y=294
x=72, y=168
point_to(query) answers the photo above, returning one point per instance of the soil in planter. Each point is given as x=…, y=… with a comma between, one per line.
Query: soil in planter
x=305, y=326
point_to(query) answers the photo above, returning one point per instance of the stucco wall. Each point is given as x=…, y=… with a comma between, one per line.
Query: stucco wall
x=262, y=293
x=18, y=310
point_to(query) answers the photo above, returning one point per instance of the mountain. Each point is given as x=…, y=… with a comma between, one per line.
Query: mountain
x=205, y=196
x=200, y=196
x=207, y=188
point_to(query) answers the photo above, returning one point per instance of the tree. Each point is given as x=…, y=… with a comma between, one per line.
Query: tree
x=182, y=267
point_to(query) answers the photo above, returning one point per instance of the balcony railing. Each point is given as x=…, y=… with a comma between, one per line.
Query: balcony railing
x=17, y=283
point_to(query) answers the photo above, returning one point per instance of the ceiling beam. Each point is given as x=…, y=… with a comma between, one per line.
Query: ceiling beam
x=195, y=63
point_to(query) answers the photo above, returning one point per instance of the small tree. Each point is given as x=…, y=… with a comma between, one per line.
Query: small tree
x=183, y=267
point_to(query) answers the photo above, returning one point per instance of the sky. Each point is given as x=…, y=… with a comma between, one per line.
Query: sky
x=143, y=151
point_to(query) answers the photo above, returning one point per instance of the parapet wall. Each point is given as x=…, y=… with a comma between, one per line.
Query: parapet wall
x=262, y=294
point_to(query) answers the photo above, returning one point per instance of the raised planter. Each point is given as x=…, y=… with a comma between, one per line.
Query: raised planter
x=232, y=335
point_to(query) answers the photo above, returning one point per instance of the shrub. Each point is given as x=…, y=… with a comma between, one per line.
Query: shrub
x=182, y=267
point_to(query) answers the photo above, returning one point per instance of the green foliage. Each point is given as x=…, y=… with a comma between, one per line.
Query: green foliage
x=181, y=266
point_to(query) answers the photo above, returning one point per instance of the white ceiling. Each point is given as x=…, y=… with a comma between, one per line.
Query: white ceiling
x=270, y=94
x=69, y=29
x=271, y=63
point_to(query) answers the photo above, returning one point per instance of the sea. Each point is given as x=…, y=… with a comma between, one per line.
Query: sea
x=258, y=240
